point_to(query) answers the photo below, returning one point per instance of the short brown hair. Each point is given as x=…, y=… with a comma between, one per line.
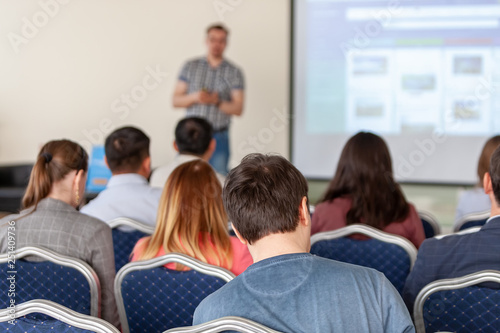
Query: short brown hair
x=495, y=174
x=483, y=164
x=262, y=196
x=217, y=26
x=125, y=149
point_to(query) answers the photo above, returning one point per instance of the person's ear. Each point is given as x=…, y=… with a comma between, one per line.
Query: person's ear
x=77, y=179
x=488, y=187
x=176, y=147
x=304, y=215
x=212, y=145
x=242, y=240
x=106, y=162
x=146, y=166
x=210, y=150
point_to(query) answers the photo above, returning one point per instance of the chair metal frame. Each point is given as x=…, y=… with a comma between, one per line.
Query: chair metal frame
x=125, y=221
x=232, y=323
x=58, y=312
x=371, y=232
x=432, y=221
x=472, y=217
x=180, y=258
x=449, y=284
x=81, y=266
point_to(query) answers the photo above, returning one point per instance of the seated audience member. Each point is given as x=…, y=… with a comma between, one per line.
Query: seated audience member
x=50, y=219
x=287, y=288
x=127, y=193
x=363, y=190
x=192, y=220
x=475, y=200
x=459, y=255
x=193, y=140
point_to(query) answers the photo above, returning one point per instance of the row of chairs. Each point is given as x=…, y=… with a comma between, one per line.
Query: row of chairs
x=153, y=298
x=139, y=285
x=124, y=241
x=453, y=305
x=62, y=319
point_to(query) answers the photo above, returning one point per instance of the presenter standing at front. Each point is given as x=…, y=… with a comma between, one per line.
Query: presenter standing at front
x=211, y=87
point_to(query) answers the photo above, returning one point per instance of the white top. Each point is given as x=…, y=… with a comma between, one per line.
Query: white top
x=127, y=195
x=160, y=175
x=472, y=201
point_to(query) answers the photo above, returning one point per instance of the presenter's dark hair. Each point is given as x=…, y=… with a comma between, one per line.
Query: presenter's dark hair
x=483, y=164
x=364, y=174
x=495, y=174
x=262, y=196
x=126, y=148
x=193, y=136
x=54, y=161
x=218, y=26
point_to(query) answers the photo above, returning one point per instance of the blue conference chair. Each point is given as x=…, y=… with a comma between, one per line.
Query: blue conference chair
x=232, y=323
x=430, y=224
x=67, y=281
x=126, y=232
x=472, y=220
x=390, y=254
x=460, y=304
x=57, y=319
x=152, y=298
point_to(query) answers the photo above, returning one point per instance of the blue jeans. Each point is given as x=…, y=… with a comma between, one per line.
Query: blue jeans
x=220, y=157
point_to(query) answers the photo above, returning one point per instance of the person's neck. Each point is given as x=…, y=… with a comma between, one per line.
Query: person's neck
x=495, y=210
x=214, y=61
x=275, y=245
x=61, y=197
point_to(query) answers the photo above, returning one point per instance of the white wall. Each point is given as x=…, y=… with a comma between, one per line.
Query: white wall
x=61, y=79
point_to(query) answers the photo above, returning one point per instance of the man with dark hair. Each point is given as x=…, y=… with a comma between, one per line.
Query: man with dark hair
x=287, y=288
x=212, y=88
x=127, y=193
x=458, y=255
x=193, y=140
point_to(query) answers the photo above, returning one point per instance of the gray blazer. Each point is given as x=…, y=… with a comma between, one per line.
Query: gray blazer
x=58, y=226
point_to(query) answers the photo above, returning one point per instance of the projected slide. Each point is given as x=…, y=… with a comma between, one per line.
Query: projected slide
x=401, y=69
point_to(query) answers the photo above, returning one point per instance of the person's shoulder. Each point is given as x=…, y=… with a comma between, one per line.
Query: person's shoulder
x=195, y=61
x=231, y=64
x=438, y=245
x=338, y=268
x=219, y=303
x=91, y=221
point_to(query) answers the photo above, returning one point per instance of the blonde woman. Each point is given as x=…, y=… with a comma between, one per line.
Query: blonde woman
x=191, y=220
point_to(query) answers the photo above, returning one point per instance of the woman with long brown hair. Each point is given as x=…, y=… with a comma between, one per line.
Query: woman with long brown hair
x=191, y=220
x=50, y=218
x=363, y=190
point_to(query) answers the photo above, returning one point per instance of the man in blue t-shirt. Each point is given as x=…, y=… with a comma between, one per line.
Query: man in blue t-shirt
x=287, y=288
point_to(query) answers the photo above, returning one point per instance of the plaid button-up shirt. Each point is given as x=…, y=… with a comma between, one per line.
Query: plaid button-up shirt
x=198, y=74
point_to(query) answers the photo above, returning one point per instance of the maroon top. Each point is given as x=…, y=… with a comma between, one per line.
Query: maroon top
x=332, y=215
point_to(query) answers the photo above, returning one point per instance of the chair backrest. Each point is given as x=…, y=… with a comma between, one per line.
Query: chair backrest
x=390, y=254
x=472, y=220
x=223, y=324
x=65, y=280
x=430, y=223
x=459, y=303
x=60, y=319
x=124, y=241
x=152, y=298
